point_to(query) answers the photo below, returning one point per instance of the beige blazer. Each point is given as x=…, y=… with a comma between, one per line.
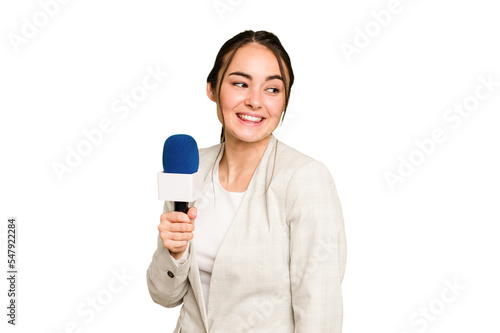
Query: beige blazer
x=281, y=264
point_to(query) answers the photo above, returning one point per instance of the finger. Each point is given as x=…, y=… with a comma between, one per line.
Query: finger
x=180, y=236
x=181, y=227
x=174, y=217
x=178, y=217
x=192, y=213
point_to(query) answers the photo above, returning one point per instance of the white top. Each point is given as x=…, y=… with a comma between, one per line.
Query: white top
x=211, y=225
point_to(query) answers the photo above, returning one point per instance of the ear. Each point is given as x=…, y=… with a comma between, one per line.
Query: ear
x=210, y=92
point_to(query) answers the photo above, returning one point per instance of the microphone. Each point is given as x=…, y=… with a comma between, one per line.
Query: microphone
x=180, y=180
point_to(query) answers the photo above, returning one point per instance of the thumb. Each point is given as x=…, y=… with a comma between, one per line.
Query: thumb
x=192, y=213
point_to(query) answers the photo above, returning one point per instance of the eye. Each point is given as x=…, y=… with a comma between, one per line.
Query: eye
x=273, y=90
x=240, y=84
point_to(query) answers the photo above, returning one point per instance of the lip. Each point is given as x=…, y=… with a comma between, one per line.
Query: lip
x=251, y=114
x=248, y=123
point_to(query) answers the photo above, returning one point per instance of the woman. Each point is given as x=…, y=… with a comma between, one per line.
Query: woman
x=268, y=253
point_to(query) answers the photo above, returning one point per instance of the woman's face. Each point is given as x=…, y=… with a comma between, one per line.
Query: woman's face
x=252, y=94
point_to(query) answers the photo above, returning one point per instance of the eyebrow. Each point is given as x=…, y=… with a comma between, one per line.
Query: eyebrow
x=248, y=76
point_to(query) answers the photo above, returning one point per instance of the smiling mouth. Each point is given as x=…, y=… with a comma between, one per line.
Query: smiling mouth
x=250, y=118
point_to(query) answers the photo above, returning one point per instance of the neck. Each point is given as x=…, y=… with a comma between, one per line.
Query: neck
x=240, y=160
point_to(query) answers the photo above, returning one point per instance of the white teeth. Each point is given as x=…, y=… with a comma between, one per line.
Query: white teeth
x=250, y=118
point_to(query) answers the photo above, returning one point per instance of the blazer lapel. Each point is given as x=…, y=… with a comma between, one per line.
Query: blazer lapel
x=256, y=188
x=207, y=166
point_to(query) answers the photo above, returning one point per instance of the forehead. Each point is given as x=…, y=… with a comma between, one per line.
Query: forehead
x=254, y=59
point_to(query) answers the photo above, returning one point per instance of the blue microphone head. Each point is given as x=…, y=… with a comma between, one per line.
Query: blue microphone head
x=180, y=154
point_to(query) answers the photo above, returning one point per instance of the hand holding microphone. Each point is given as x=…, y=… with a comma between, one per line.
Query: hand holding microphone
x=182, y=183
x=176, y=229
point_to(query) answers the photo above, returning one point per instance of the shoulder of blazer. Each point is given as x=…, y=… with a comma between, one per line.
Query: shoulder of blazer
x=289, y=160
x=208, y=156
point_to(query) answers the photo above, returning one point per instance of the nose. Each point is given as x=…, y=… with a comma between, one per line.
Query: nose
x=253, y=98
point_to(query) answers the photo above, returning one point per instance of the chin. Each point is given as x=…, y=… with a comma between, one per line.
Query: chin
x=253, y=138
x=248, y=137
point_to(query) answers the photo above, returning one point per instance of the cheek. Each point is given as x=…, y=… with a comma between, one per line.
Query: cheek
x=276, y=107
x=229, y=100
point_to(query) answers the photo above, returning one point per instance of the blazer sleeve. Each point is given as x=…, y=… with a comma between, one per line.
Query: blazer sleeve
x=317, y=249
x=167, y=279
